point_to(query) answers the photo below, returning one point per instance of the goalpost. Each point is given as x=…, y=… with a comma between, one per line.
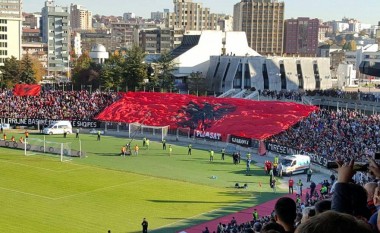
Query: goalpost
x=136, y=129
x=33, y=146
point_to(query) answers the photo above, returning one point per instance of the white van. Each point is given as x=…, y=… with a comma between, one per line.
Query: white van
x=59, y=127
x=294, y=164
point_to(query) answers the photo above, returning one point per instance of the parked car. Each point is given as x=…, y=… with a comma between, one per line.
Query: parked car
x=5, y=126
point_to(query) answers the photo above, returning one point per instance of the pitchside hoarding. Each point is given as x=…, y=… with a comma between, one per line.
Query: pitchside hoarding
x=285, y=150
x=241, y=141
x=208, y=135
x=33, y=122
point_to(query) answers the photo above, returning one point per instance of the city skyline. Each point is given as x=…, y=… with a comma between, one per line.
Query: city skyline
x=321, y=9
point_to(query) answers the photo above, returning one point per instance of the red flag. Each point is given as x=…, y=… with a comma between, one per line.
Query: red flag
x=27, y=90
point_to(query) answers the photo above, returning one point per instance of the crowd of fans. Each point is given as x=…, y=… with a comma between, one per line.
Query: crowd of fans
x=297, y=95
x=344, y=134
x=358, y=95
x=79, y=105
x=343, y=206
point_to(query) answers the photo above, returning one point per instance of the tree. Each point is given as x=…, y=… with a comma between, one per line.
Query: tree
x=112, y=72
x=80, y=71
x=350, y=46
x=134, y=68
x=27, y=72
x=197, y=83
x=39, y=70
x=164, y=67
x=11, y=71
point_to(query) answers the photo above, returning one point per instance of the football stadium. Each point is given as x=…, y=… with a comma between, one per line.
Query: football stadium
x=182, y=162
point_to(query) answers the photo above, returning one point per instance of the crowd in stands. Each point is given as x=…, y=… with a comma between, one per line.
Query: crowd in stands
x=358, y=95
x=297, y=95
x=345, y=134
x=340, y=207
x=283, y=95
x=79, y=105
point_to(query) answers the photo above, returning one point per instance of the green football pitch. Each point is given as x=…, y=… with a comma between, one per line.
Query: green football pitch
x=105, y=191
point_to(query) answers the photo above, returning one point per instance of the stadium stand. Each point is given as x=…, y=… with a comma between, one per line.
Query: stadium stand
x=55, y=104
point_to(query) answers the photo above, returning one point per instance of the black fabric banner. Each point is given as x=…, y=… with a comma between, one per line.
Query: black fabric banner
x=241, y=141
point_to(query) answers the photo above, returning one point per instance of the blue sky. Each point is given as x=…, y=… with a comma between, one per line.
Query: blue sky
x=367, y=11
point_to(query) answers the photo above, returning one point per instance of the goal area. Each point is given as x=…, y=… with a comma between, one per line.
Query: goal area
x=138, y=130
x=64, y=150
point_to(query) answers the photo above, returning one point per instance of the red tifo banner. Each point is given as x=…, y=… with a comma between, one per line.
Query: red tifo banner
x=27, y=90
x=240, y=117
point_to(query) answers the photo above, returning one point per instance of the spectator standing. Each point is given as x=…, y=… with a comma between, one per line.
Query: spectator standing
x=312, y=188
x=136, y=150
x=211, y=155
x=291, y=184
x=300, y=184
x=309, y=173
x=147, y=143
x=98, y=139
x=255, y=215
x=123, y=151
x=164, y=144
x=170, y=150
x=144, y=225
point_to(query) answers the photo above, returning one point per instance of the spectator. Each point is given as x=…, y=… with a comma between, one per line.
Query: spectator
x=333, y=222
x=285, y=213
x=68, y=105
x=348, y=197
x=322, y=206
x=273, y=228
x=307, y=213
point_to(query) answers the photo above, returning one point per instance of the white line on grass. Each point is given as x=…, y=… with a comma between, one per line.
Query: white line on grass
x=207, y=212
x=42, y=168
x=104, y=188
x=29, y=194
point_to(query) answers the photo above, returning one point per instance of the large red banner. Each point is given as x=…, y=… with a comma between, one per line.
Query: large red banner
x=240, y=117
x=27, y=90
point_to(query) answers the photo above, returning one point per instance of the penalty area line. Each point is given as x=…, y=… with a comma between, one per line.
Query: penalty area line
x=104, y=188
x=201, y=214
x=26, y=193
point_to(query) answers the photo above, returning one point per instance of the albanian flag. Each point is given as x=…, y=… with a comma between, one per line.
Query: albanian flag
x=239, y=117
x=27, y=90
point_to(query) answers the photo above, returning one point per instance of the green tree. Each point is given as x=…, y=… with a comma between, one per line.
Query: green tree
x=27, y=72
x=80, y=70
x=165, y=66
x=112, y=72
x=134, y=68
x=197, y=83
x=11, y=72
x=39, y=70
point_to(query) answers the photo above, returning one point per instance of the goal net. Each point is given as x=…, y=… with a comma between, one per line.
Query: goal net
x=34, y=146
x=139, y=130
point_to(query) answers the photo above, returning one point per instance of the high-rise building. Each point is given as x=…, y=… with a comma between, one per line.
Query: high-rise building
x=157, y=15
x=80, y=18
x=263, y=22
x=189, y=15
x=301, y=36
x=129, y=15
x=32, y=20
x=10, y=29
x=55, y=32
